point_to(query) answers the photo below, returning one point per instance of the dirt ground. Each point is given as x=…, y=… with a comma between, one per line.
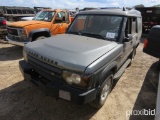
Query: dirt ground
x=21, y=100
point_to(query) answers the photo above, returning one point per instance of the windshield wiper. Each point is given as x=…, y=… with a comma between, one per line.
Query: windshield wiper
x=93, y=35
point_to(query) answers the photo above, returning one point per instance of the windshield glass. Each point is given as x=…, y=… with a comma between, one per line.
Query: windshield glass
x=45, y=16
x=96, y=25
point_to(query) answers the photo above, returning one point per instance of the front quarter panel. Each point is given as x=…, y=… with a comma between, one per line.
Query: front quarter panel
x=45, y=25
x=39, y=30
x=102, y=62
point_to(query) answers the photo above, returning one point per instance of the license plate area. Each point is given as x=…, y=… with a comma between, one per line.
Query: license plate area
x=64, y=95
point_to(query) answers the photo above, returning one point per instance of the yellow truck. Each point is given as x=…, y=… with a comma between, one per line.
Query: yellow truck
x=45, y=24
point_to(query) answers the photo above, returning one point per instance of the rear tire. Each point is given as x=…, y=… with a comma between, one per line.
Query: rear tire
x=103, y=92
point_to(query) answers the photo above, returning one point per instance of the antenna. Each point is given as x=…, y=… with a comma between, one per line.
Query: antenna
x=124, y=9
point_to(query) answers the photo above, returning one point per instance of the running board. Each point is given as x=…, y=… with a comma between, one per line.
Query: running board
x=122, y=70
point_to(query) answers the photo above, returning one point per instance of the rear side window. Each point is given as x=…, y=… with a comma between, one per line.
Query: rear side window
x=132, y=26
x=139, y=25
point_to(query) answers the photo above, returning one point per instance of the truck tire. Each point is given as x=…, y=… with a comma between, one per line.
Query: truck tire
x=39, y=38
x=103, y=92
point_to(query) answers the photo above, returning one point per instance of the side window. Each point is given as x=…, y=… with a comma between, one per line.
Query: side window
x=139, y=25
x=131, y=26
x=128, y=27
x=60, y=17
x=134, y=25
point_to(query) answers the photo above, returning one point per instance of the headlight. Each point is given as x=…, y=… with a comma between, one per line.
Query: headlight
x=22, y=32
x=25, y=55
x=72, y=78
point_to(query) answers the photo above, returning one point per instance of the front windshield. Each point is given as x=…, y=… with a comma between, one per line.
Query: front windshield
x=45, y=16
x=105, y=26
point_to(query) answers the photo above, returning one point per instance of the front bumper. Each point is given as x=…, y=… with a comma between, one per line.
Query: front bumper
x=52, y=88
x=15, y=42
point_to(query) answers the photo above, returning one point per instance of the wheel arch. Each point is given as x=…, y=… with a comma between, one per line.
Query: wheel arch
x=39, y=32
x=111, y=68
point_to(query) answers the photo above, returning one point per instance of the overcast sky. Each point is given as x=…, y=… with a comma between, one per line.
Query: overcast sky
x=71, y=4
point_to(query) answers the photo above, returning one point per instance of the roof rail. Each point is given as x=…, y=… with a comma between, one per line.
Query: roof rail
x=87, y=8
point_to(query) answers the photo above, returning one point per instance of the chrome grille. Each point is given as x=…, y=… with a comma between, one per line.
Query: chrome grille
x=17, y=38
x=12, y=31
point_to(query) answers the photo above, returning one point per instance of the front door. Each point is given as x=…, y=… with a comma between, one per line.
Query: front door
x=130, y=39
x=60, y=23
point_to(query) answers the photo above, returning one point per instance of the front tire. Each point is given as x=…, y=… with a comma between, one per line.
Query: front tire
x=103, y=92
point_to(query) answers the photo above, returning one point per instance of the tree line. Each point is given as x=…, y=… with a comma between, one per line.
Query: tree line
x=141, y=5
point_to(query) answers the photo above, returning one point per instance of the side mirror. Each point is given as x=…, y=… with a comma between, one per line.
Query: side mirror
x=128, y=38
x=58, y=20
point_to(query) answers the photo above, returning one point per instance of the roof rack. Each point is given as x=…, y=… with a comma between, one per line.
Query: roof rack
x=127, y=8
x=109, y=8
x=87, y=8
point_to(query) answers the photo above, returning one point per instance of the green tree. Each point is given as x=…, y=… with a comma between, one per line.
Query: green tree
x=140, y=5
x=156, y=5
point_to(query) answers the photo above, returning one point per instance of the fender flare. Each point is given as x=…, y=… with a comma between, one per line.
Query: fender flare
x=39, y=30
x=112, y=67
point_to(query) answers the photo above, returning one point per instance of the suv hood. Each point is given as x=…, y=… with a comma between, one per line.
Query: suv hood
x=73, y=52
x=24, y=23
